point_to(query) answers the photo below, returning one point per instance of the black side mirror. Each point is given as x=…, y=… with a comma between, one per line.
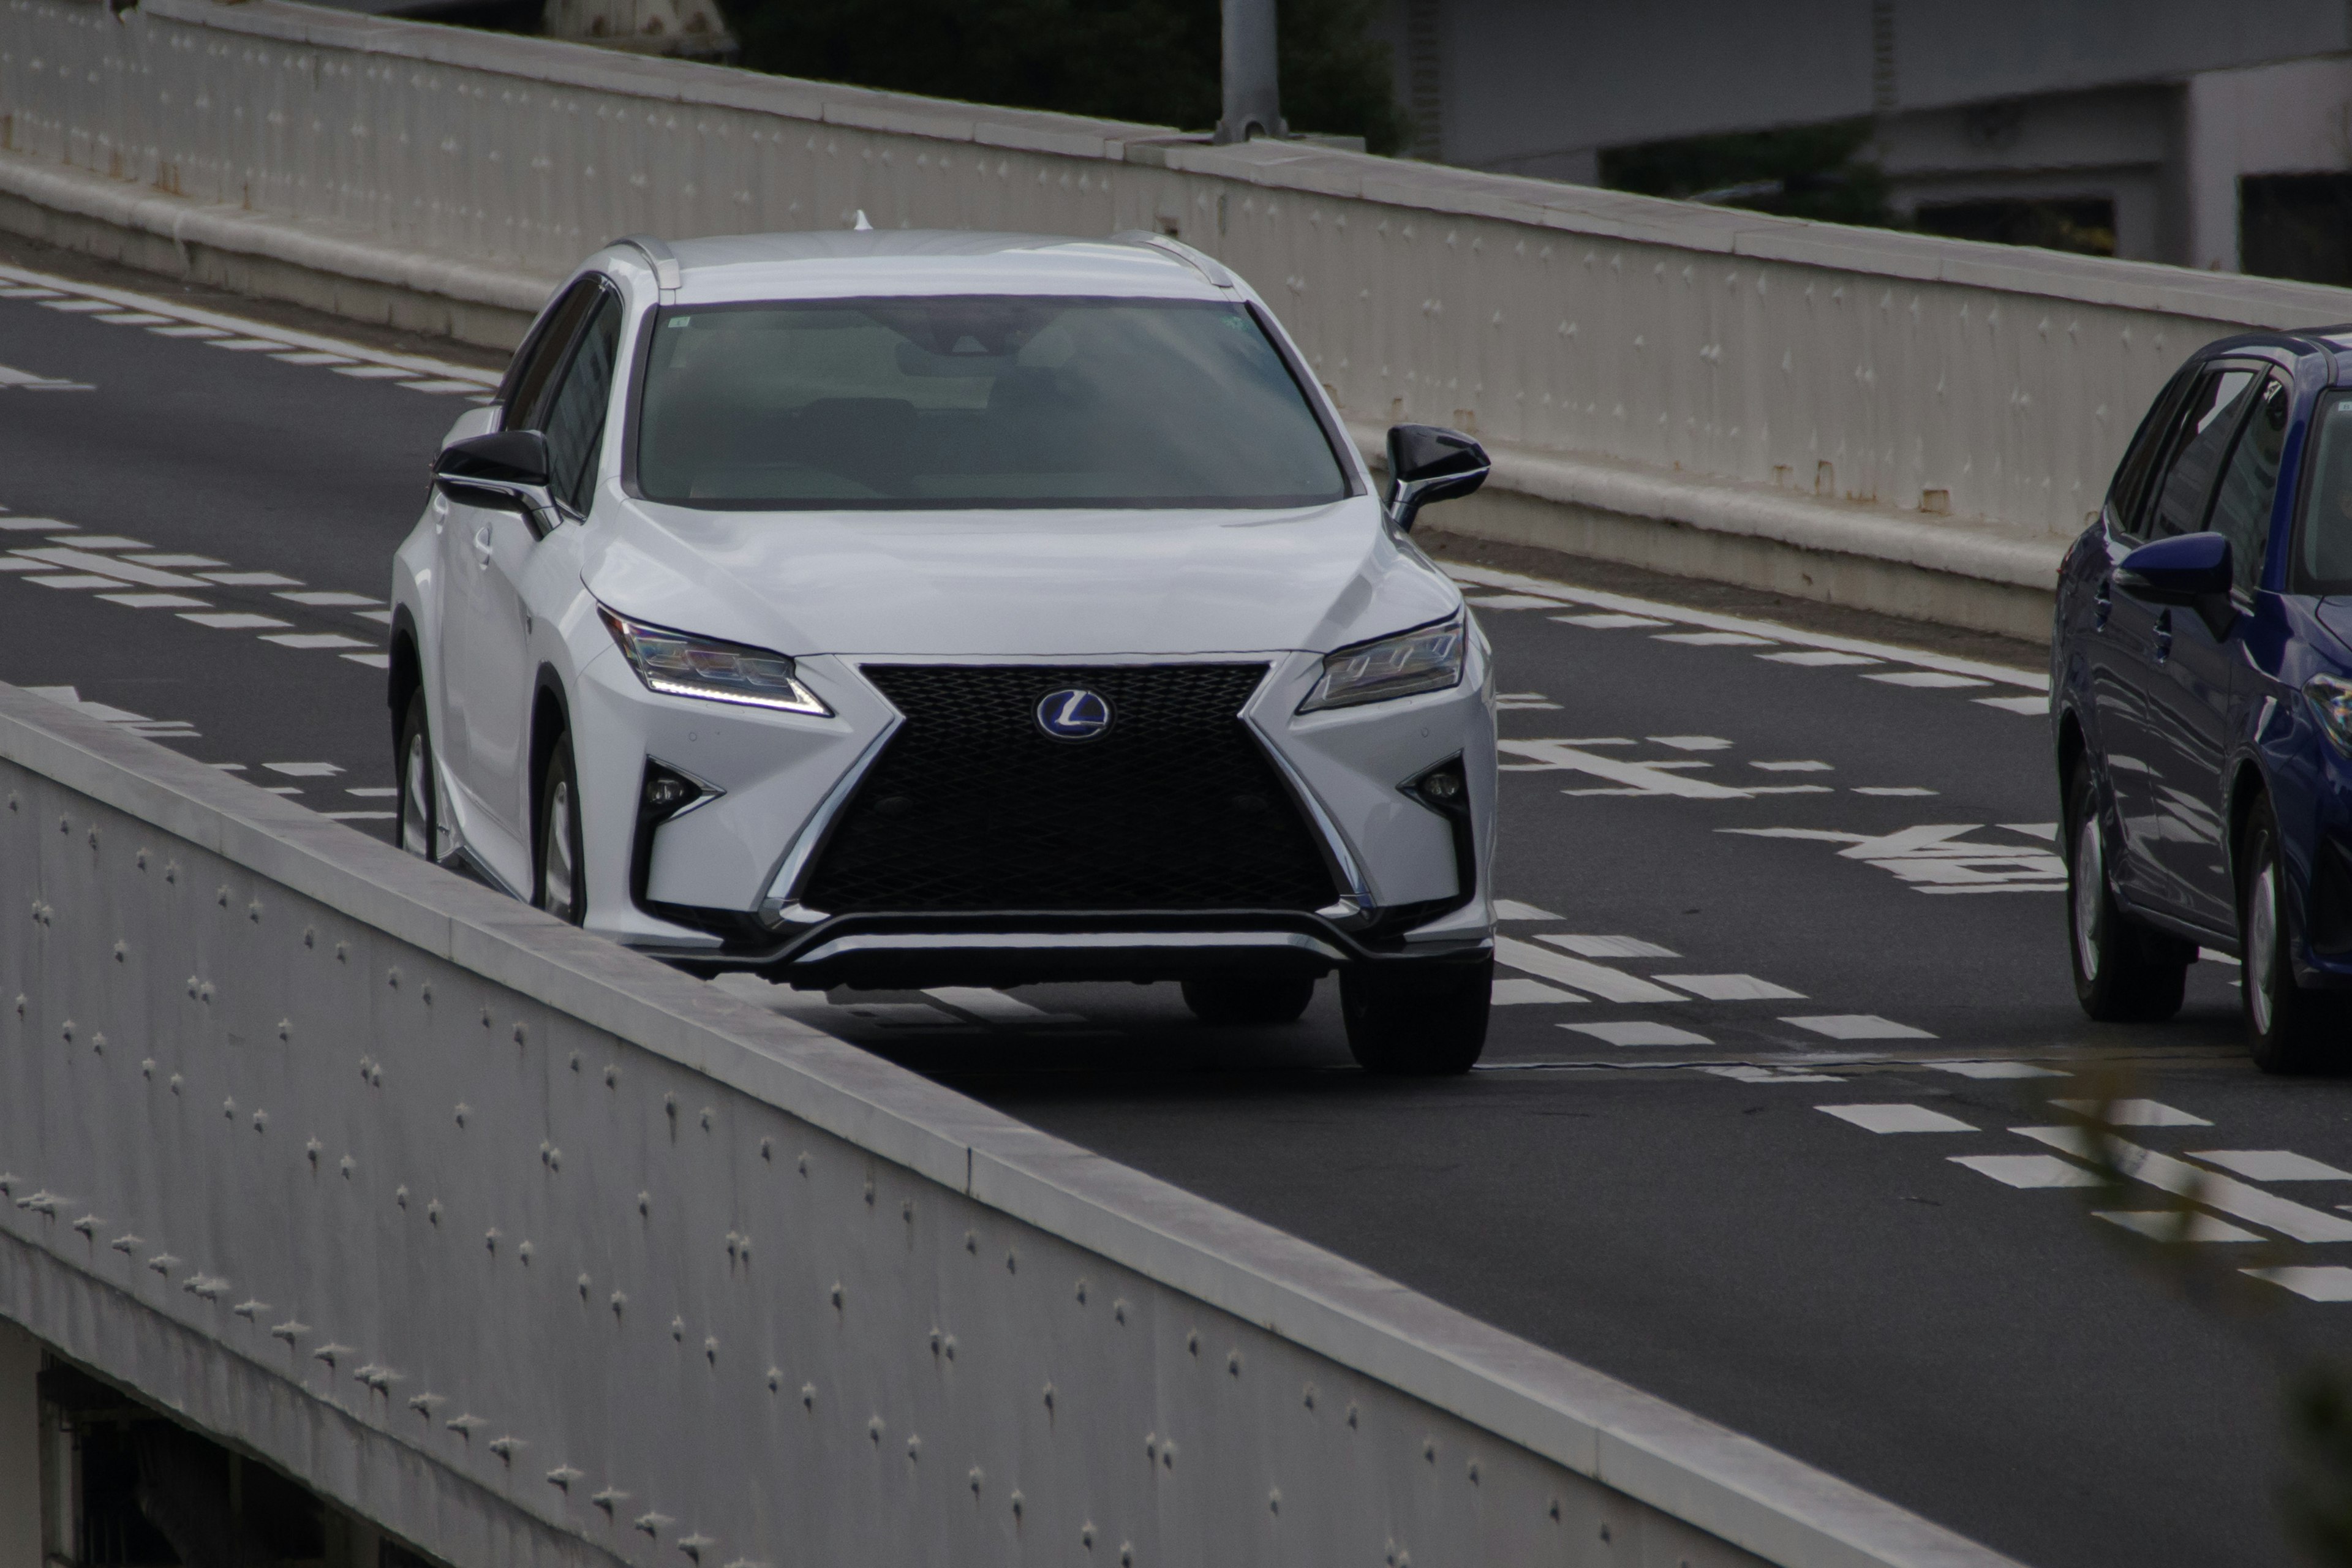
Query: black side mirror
x=2183, y=570
x=1427, y=463
x=506, y=468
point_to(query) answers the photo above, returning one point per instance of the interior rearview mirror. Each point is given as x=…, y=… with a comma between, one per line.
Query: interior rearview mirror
x=1429, y=463
x=506, y=469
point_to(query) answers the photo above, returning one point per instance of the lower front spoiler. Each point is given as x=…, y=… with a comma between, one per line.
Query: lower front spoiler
x=912, y=952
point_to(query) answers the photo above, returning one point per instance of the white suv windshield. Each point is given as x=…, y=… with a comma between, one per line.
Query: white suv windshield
x=911, y=404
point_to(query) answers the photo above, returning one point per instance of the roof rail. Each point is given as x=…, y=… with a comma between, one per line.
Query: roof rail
x=1217, y=275
x=668, y=274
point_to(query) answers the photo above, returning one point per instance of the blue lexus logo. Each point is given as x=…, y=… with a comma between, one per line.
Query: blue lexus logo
x=1075, y=714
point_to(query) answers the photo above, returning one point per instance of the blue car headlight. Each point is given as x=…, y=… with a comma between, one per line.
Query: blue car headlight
x=1427, y=658
x=2330, y=697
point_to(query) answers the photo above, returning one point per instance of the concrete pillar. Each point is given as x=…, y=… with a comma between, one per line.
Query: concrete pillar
x=20, y=1448
x=2210, y=162
x=1253, y=84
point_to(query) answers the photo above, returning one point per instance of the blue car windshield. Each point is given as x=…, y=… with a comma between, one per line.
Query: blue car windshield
x=965, y=402
x=2323, y=554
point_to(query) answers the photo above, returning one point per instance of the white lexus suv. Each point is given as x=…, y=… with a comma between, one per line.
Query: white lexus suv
x=902, y=609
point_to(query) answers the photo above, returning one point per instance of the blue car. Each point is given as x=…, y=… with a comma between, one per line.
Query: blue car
x=2201, y=700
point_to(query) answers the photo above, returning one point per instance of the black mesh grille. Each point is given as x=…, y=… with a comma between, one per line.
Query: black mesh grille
x=972, y=807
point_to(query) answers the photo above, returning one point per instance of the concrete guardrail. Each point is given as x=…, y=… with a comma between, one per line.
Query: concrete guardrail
x=531, y=1251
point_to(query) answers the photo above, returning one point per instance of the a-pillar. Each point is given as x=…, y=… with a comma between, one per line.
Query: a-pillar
x=20, y=1448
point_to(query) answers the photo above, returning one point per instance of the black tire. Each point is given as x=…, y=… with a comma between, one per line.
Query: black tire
x=416, y=821
x=2124, y=971
x=1416, y=1017
x=559, y=881
x=2289, y=1028
x=1249, y=998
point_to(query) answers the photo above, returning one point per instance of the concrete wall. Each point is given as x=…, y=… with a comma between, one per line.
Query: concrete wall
x=20, y=1448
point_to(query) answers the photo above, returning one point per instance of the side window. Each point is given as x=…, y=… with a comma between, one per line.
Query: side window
x=2241, y=501
x=2199, y=443
x=525, y=388
x=2130, y=485
x=575, y=413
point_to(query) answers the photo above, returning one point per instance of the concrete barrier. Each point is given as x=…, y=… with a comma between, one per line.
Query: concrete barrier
x=1796, y=403
x=532, y=1251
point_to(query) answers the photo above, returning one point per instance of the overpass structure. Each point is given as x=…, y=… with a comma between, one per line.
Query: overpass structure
x=527, y=1251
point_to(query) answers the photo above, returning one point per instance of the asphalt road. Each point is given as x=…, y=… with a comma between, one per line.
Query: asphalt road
x=1760, y=876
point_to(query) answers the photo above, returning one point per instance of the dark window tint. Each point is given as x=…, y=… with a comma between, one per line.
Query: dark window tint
x=2130, y=485
x=2199, y=444
x=2241, y=501
x=533, y=371
x=918, y=404
x=2323, y=551
x=575, y=414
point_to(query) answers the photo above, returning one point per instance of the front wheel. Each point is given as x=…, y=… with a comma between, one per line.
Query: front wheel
x=2289, y=1029
x=417, y=827
x=2124, y=973
x=1416, y=1017
x=562, y=889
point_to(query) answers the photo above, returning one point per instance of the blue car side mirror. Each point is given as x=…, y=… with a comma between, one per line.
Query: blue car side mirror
x=2177, y=570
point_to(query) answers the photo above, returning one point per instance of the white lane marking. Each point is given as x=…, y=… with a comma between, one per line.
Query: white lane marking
x=370, y=372
x=359, y=815
x=113, y=565
x=1713, y=639
x=1905, y=791
x=154, y=601
x=1790, y=789
x=1934, y=859
x=311, y=356
x=1996, y=1069
x=76, y=581
x=1896, y=1118
x=1512, y=602
x=1858, y=1026
x=1730, y=987
x=10, y=563
x=235, y=621
x=1746, y=1072
x=2045, y=831
x=137, y=723
x=996, y=1007
x=1517, y=581
x=108, y=542
x=2319, y=1282
x=314, y=640
x=2271, y=1165
x=200, y=322
x=1819, y=658
x=2182, y=1179
x=1512, y=909
x=1638, y=1032
x=1609, y=623
x=2027, y=1171
x=27, y=293
x=1636, y=776
x=383, y=615
x=2163, y=1225
x=132, y=318
x=1929, y=679
x=372, y=660
x=169, y=560
x=34, y=525
x=227, y=767
x=2134, y=1113
x=282, y=789
x=1796, y=767
x=1685, y=743
x=26, y=381
x=1519, y=701
x=245, y=345
x=2215, y=955
x=73, y=307
x=373, y=792
x=1610, y=984
x=322, y=599
x=251, y=579
x=2014, y=704
x=443, y=386
x=1608, y=946
x=1512, y=993
x=304, y=770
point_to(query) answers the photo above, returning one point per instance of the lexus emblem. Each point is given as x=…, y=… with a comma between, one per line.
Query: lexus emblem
x=1073, y=714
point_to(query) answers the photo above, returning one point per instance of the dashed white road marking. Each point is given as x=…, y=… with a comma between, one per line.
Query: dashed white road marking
x=372, y=660
x=1859, y=1026
x=180, y=561
x=325, y=599
x=1513, y=992
x=108, y=542
x=153, y=601
x=2161, y=1225
x=1750, y=1072
x=1512, y=909
x=235, y=621
x=73, y=307
x=137, y=723
x=370, y=372
x=2181, y=1178
x=2027, y=1171
x=243, y=346
x=313, y=640
x=1901, y=790
x=1511, y=601
x=1819, y=658
x=1730, y=988
x=996, y=1007
x=359, y=815
x=1935, y=859
x=1896, y=1118
x=1641, y=777
x=12, y=379
x=187, y=331
x=1607, y=623
x=1575, y=972
x=76, y=581
x=126, y=572
x=1714, y=639
x=2271, y=1165
x=1638, y=1032
x=133, y=319
x=2014, y=704
x=373, y=791
x=2134, y=1113
x=304, y=770
x=1927, y=679
x=1685, y=743
x=1608, y=946
x=311, y=357
x=34, y=525
x=1997, y=1070
x=251, y=579
x=2323, y=1282
x=1793, y=767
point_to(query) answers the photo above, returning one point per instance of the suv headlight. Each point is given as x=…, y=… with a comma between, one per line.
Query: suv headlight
x=677, y=665
x=1427, y=658
x=2331, y=699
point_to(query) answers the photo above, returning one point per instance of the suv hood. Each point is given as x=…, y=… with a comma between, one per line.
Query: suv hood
x=1017, y=584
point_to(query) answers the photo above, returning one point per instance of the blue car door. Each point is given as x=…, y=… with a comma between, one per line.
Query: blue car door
x=2177, y=832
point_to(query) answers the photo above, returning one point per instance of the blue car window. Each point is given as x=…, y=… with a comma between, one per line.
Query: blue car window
x=2130, y=485
x=2324, y=544
x=2199, y=443
x=2241, y=501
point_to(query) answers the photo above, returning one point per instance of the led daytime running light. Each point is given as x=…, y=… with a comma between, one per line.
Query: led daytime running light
x=677, y=665
x=1427, y=658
